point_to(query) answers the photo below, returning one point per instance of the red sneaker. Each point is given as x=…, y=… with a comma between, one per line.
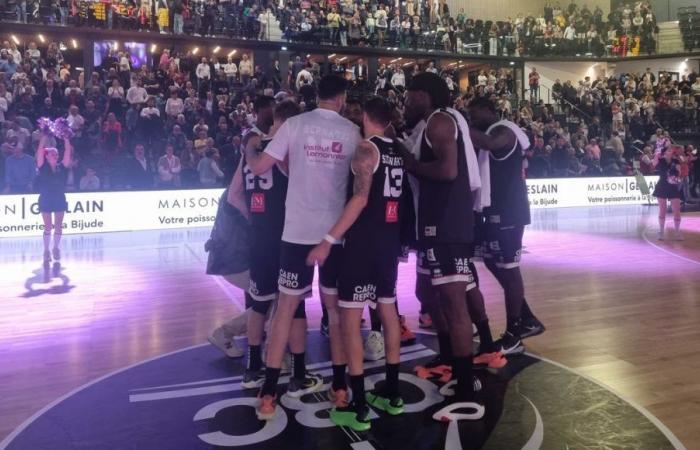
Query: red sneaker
x=434, y=369
x=267, y=404
x=339, y=398
x=407, y=336
x=425, y=321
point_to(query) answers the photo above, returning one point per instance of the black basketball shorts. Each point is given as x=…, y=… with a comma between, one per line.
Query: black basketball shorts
x=264, y=269
x=367, y=276
x=296, y=278
x=504, y=244
x=451, y=263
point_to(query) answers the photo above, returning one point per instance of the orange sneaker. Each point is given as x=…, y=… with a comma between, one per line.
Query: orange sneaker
x=267, y=404
x=494, y=360
x=407, y=336
x=434, y=369
x=339, y=398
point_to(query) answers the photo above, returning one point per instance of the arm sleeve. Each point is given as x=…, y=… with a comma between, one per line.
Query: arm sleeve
x=278, y=148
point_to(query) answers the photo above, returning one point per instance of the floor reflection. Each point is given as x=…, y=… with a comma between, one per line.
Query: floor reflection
x=50, y=275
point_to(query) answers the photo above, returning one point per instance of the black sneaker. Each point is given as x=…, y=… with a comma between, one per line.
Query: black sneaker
x=510, y=344
x=311, y=383
x=253, y=379
x=530, y=327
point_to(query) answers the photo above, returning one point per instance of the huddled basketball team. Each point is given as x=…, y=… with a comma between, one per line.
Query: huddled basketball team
x=319, y=190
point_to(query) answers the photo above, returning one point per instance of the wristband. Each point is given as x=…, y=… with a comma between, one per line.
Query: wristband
x=330, y=239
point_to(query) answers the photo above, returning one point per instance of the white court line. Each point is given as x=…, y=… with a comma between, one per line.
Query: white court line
x=663, y=428
x=8, y=439
x=228, y=290
x=233, y=387
x=318, y=365
x=668, y=252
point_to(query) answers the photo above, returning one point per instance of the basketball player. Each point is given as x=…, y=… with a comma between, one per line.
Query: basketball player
x=261, y=199
x=370, y=225
x=320, y=145
x=445, y=223
x=506, y=218
x=223, y=336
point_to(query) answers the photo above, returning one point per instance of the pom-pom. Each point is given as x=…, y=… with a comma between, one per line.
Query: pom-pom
x=61, y=129
x=45, y=124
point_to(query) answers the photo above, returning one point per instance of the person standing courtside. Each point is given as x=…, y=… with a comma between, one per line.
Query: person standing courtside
x=261, y=199
x=370, y=225
x=320, y=145
x=506, y=218
x=445, y=226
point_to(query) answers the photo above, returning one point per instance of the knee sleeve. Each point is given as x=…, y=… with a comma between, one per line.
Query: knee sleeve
x=300, y=312
x=260, y=307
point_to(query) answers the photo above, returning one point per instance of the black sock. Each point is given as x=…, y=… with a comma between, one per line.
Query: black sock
x=339, y=381
x=298, y=365
x=485, y=337
x=357, y=384
x=445, y=347
x=374, y=320
x=270, y=385
x=391, y=386
x=462, y=372
x=254, y=358
x=525, y=312
x=324, y=315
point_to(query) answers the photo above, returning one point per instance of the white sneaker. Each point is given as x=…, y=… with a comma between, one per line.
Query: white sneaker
x=238, y=326
x=218, y=339
x=679, y=236
x=374, y=346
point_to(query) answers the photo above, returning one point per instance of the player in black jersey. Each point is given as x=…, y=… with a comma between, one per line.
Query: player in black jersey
x=370, y=225
x=445, y=224
x=506, y=218
x=223, y=336
x=261, y=198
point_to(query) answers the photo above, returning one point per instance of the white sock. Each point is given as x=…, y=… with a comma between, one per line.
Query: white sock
x=662, y=225
x=677, y=224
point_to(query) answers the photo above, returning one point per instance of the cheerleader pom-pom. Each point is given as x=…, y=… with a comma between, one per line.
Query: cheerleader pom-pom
x=45, y=125
x=61, y=129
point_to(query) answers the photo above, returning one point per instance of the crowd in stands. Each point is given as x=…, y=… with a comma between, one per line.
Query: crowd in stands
x=559, y=29
x=178, y=122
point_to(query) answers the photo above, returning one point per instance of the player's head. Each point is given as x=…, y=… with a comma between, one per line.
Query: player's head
x=426, y=93
x=331, y=92
x=377, y=115
x=264, y=107
x=482, y=113
x=353, y=111
x=283, y=111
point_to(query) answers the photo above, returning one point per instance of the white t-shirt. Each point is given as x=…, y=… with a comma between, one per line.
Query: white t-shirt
x=320, y=145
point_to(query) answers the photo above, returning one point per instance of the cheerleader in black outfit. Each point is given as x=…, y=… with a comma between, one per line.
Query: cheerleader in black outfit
x=51, y=185
x=668, y=166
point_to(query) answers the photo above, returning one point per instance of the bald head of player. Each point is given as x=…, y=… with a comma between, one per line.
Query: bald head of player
x=426, y=93
x=482, y=113
x=332, y=93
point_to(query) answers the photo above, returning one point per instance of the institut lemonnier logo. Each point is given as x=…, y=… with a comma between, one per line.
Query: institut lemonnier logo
x=193, y=399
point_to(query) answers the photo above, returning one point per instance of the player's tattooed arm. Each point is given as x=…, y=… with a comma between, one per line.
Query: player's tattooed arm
x=363, y=165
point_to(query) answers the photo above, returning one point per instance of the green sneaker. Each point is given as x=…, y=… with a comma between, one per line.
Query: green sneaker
x=392, y=406
x=351, y=418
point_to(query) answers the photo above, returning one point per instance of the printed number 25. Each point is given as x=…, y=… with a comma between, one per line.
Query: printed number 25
x=393, y=182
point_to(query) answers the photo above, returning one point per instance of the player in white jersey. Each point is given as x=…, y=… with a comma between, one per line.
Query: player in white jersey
x=319, y=145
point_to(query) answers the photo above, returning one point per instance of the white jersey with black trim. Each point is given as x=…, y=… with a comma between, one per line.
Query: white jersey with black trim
x=320, y=145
